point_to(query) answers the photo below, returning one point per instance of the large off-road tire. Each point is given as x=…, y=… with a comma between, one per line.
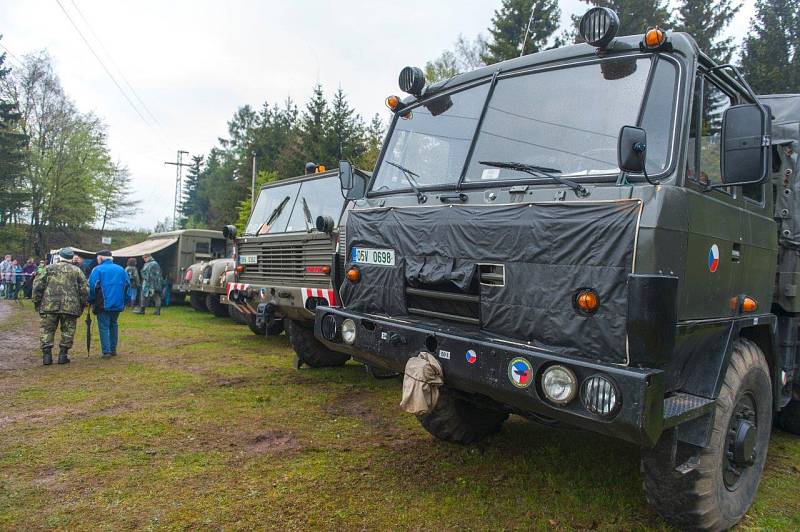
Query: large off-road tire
x=237, y=315
x=251, y=322
x=275, y=327
x=198, y=301
x=217, y=309
x=716, y=495
x=309, y=350
x=459, y=421
x=789, y=417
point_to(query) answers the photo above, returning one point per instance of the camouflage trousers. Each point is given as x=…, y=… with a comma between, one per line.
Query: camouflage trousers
x=47, y=329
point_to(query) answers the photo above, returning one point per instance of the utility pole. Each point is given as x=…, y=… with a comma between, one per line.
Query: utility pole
x=253, y=186
x=178, y=187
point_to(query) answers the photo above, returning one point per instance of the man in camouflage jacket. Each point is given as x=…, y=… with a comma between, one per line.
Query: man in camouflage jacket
x=151, y=285
x=59, y=295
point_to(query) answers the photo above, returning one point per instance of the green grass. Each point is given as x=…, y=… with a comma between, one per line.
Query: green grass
x=200, y=424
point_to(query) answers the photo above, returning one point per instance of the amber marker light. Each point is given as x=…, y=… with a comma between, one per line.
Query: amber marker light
x=749, y=304
x=393, y=102
x=353, y=275
x=654, y=38
x=587, y=301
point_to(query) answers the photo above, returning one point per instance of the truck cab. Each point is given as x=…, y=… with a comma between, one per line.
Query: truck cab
x=587, y=236
x=283, y=261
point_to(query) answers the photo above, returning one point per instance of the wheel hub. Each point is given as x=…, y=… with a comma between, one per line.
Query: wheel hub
x=740, y=448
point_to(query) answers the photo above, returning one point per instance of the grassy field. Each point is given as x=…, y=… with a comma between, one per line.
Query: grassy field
x=199, y=424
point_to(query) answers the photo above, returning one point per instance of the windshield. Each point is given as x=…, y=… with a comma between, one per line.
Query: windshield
x=566, y=120
x=319, y=197
x=295, y=207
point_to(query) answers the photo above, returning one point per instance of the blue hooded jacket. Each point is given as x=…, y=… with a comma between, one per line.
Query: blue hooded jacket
x=113, y=280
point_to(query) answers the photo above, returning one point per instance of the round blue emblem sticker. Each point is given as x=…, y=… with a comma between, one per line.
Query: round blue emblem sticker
x=520, y=372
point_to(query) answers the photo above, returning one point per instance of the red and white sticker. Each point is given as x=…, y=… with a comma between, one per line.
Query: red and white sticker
x=236, y=286
x=327, y=293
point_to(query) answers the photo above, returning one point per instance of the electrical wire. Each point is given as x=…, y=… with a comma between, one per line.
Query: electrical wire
x=11, y=54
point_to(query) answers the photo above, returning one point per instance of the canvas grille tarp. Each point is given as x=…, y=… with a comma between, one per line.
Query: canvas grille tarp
x=549, y=252
x=143, y=248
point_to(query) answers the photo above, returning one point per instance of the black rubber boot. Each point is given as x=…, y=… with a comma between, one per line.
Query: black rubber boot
x=139, y=310
x=47, y=356
x=62, y=356
x=157, y=311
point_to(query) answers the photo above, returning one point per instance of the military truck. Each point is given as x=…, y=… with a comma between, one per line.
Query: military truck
x=207, y=282
x=284, y=264
x=175, y=252
x=602, y=235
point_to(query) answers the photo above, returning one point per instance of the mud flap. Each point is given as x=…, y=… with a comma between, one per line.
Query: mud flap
x=423, y=377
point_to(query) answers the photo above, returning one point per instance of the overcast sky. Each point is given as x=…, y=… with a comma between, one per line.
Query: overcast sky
x=194, y=62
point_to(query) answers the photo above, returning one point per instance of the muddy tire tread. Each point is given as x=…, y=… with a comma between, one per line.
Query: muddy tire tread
x=309, y=350
x=458, y=421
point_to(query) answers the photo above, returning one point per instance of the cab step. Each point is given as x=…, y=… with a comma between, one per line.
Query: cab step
x=681, y=407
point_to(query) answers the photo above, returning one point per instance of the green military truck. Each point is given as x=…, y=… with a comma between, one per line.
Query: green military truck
x=602, y=235
x=284, y=264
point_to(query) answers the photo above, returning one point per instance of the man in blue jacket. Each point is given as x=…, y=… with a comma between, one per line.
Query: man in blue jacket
x=108, y=285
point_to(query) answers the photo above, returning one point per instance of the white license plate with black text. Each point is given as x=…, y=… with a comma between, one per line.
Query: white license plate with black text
x=248, y=259
x=379, y=257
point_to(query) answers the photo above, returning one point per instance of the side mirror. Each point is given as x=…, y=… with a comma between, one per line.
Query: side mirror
x=229, y=232
x=632, y=149
x=745, y=145
x=346, y=175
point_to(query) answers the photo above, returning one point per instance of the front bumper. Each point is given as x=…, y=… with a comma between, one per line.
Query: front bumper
x=292, y=302
x=389, y=343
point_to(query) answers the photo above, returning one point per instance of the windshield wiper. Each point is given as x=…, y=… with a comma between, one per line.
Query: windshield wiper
x=409, y=177
x=275, y=213
x=307, y=213
x=540, y=171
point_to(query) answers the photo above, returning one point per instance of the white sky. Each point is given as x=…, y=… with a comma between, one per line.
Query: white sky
x=193, y=63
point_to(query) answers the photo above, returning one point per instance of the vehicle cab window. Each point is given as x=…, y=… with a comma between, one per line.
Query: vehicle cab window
x=708, y=106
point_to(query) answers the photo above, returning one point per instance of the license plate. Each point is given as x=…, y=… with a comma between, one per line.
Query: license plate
x=248, y=259
x=380, y=257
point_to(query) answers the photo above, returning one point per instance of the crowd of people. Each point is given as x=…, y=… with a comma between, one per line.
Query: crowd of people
x=63, y=290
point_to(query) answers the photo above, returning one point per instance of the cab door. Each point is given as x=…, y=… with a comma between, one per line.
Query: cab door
x=715, y=222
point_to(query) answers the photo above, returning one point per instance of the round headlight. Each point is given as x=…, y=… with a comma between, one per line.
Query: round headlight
x=559, y=384
x=349, y=331
x=329, y=327
x=599, y=26
x=600, y=396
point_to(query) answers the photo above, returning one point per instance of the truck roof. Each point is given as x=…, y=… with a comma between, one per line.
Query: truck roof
x=210, y=233
x=300, y=179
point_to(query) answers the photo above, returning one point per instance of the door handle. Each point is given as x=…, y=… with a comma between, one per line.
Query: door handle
x=736, y=253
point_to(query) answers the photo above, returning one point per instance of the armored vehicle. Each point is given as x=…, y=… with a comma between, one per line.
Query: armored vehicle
x=602, y=235
x=284, y=261
x=207, y=282
x=175, y=252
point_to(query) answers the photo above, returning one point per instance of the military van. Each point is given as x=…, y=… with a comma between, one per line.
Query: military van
x=284, y=267
x=602, y=235
x=175, y=252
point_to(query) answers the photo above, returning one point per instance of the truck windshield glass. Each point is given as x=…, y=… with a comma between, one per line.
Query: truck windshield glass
x=323, y=197
x=272, y=202
x=566, y=119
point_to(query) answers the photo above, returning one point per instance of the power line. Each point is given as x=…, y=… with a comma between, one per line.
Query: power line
x=105, y=68
x=11, y=54
x=114, y=63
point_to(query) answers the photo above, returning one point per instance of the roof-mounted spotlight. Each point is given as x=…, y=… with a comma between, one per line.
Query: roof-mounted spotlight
x=599, y=26
x=412, y=80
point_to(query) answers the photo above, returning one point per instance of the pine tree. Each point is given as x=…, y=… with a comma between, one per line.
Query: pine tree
x=770, y=51
x=312, y=130
x=705, y=20
x=374, y=140
x=636, y=16
x=510, y=24
x=344, y=132
x=13, y=143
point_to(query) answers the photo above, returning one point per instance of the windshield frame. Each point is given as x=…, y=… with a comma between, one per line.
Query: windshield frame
x=665, y=175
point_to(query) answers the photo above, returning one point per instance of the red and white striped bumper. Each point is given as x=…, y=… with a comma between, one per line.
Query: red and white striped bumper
x=326, y=293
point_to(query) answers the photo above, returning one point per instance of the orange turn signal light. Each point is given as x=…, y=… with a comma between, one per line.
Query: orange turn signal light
x=393, y=102
x=749, y=304
x=239, y=269
x=587, y=301
x=353, y=275
x=654, y=38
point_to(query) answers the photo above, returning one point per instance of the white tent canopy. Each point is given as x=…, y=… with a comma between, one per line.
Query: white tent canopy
x=143, y=248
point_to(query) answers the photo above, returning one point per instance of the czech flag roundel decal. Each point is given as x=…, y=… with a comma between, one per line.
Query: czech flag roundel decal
x=713, y=258
x=471, y=356
x=520, y=372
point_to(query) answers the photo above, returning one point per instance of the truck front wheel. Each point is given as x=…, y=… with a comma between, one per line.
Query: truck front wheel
x=789, y=417
x=198, y=301
x=237, y=315
x=309, y=350
x=456, y=420
x=217, y=309
x=720, y=489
